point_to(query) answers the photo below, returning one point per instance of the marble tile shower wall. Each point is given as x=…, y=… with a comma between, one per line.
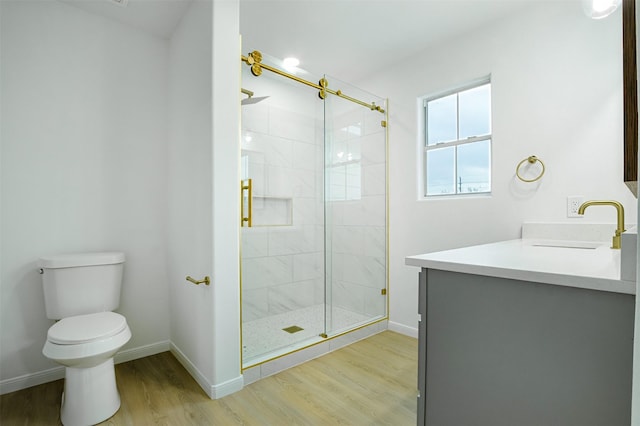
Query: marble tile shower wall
x=358, y=234
x=283, y=263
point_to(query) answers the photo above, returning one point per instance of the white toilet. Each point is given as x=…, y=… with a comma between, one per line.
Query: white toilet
x=81, y=290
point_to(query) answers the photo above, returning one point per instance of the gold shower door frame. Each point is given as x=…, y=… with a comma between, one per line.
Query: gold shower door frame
x=251, y=188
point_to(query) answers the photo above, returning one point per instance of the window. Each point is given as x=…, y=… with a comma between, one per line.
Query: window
x=457, y=143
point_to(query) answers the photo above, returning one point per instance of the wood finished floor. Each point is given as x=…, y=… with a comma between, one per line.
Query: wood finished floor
x=372, y=382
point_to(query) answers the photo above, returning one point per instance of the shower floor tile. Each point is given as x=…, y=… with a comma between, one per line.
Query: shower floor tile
x=265, y=336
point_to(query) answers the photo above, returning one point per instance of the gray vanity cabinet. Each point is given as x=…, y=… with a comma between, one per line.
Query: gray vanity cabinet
x=496, y=351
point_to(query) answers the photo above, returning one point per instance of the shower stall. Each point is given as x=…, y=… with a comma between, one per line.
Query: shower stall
x=314, y=209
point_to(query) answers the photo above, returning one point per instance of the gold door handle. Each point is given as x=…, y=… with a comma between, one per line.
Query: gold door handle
x=206, y=280
x=246, y=185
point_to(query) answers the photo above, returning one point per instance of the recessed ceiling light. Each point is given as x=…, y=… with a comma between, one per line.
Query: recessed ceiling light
x=598, y=9
x=290, y=64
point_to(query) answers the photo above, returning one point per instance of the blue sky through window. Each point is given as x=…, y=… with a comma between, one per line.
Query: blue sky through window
x=461, y=123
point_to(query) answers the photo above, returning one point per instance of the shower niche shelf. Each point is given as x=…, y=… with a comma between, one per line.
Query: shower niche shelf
x=272, y=211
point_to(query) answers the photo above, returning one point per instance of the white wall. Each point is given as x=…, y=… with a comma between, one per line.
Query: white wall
x=226, y=201
x=83, y=169
x=557, y=94
x=190, y=187
x=203, y=202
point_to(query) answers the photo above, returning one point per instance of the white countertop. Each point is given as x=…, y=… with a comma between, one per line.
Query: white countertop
x=536, y=260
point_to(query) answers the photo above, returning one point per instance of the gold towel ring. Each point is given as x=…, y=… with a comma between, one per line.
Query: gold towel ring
x=531, y=159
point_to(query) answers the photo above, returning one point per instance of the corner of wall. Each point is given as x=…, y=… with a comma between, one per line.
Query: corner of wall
x=403, y=329
x=213, y=391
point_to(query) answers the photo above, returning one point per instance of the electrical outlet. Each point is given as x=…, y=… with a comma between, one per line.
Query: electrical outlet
x=573, y=204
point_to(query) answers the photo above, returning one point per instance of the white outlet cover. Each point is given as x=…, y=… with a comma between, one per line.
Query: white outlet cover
x=573, y=204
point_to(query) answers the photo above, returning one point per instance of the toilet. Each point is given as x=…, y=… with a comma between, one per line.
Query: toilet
x=80, y=292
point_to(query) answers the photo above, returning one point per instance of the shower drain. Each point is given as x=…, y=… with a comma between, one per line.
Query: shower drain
x=293, y=329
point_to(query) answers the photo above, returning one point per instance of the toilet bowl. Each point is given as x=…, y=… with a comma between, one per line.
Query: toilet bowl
x=81, y=291
x=85, y=345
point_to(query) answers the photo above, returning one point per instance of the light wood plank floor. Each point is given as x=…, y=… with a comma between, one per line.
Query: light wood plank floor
x=372, y=382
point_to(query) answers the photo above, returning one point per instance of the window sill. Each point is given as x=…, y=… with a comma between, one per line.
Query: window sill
x=472, y=196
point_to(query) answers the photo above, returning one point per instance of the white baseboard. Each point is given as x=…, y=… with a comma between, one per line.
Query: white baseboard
x=142, y=351
x=192, y=369
x=227, y=388
x=403, y=329
x=56, y=373
x=34, y=379
x=213, y=391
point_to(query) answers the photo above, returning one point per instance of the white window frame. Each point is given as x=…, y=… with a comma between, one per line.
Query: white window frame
x=423, y=147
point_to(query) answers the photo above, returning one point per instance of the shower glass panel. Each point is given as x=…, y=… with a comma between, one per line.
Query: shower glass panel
x=355, y=210
x=282, y=253
x=314, y=260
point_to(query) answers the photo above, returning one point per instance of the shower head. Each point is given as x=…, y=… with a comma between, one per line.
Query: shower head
x=250, y=99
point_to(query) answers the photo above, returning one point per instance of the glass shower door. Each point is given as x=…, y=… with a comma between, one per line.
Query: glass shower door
x=355, y=210
x=282, y=257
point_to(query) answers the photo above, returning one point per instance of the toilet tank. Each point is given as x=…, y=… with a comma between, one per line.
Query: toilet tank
x=83, y=283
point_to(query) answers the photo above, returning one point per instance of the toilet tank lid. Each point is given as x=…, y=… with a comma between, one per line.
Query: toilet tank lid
x=80, y=259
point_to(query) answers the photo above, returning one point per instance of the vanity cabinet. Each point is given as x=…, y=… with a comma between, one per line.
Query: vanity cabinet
x=500, y=351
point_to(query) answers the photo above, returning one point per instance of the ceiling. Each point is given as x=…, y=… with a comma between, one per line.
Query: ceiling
x=157, y=17
x=348, y=39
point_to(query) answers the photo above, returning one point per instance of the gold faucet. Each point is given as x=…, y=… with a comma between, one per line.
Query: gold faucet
x=620, y=228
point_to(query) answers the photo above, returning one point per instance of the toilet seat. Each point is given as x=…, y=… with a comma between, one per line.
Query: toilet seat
x=86, y=328
x=80, y=343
